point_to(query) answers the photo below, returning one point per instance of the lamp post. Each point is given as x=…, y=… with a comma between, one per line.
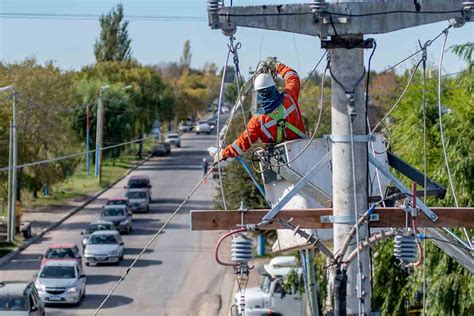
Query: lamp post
x=12, y=162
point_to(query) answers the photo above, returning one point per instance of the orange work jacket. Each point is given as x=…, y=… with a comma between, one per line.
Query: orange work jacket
x=265, y=127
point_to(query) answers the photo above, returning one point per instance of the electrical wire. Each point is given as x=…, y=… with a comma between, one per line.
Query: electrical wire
x=425, y=178
x=40, y=162
x=219, y=105
x=399, y=99
x=427, y=44
x=153, y=238
x=441, y=130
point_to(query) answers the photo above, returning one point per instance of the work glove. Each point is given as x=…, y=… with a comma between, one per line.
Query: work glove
x=218, y=157
x=271, y=63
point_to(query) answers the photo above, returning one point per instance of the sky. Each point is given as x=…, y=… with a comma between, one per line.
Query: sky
x=69, y=42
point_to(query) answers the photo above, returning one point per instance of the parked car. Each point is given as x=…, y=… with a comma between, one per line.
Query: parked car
x=119, y=215
x=123, y=200
x=272, y=297
x=202, y=127
x=139, y=182
x=20, y=298
x=184, y=128
x=104, y=246
x=173, y=139
x=61, y=282
x=224, y=109
x=161, y=149
x=93, y=227
x=65, y=251
x=139, y=199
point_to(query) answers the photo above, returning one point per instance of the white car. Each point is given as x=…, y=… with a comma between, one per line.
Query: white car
x=202, y=127
x=104, y=246
x=61, y=282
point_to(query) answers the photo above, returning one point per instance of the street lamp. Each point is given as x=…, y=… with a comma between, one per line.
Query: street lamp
x=12, y=162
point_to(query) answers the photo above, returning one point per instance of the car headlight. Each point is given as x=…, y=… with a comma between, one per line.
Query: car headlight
x=72, y=289
x=40, y=287
x=124, y=222
x=113, y=253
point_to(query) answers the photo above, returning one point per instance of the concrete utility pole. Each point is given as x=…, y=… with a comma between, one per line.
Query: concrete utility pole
x=88, y=141
x=99, y=134
x=341, y=26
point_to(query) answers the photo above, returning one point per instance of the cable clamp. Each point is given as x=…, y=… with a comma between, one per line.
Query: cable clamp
x=348, y=139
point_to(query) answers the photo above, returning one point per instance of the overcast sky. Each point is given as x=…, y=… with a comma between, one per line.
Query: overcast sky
x=69, y=42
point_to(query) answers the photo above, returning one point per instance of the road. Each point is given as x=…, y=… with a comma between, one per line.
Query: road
x=178, y=275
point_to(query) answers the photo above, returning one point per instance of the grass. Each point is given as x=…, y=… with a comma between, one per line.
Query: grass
x=81, y=184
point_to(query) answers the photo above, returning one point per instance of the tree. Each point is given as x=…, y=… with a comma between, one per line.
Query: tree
x=45, y=105
x=185, y=60
x=465, y=52
x=114, y=43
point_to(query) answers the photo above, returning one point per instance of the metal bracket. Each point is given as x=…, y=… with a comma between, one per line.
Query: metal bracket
x=347, y=138
x=330, y=219
x=348, y=43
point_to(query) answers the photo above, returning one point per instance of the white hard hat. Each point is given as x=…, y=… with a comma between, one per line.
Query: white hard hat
x=263, y=81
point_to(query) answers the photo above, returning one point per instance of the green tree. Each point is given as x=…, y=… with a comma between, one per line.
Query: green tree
x=465, y=51
x=114, y=42
x=45, y=105
x=185, y=60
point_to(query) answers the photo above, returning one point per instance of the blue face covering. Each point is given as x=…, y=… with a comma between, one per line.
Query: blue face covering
x=268, y=99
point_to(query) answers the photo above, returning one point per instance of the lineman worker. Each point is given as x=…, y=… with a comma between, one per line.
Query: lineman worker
x=278, y=117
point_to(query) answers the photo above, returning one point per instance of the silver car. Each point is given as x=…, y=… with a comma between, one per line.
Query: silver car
x=173, y=139
x=119, y=215
x=61, y=282
x=104, y=246
x=139, y=199
x=93, y=227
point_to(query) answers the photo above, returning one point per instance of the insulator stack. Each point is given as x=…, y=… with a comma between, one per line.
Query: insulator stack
x=405, y=249
x=213, y=5
x=318, y=5
x=242, y=249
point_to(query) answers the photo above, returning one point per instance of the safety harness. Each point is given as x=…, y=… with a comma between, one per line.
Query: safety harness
x=279, y=119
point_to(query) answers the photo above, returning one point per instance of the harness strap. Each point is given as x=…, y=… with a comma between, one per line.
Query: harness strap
x=279, y=119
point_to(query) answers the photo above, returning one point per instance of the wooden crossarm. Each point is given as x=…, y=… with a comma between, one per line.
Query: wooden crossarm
x=311, y=218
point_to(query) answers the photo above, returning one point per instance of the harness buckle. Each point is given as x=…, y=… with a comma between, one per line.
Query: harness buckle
x=281, y=123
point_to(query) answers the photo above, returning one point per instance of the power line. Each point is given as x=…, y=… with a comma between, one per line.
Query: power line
x=63, y=16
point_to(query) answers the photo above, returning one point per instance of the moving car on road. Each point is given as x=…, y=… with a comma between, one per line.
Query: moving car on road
x=20, y=298
x=139, y=199
x=93, y=227
x=104, y=246
x=173, y=139
x=202, y=127
x=61, y=282
x=161, y=149
x=65, y=251
x=212, y=122
x=119, y=215
x=139, y=182
x=119, y=201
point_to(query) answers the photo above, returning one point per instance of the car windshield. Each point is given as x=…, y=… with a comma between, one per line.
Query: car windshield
x=60, y=253
x=172, y=136
x=12, y=303
x=136, y=195
x=138, y=183
x=58, y=272
x=202, y=122
x=95, y=227
x=116, y=202
x=102, y=240
x=113, y=212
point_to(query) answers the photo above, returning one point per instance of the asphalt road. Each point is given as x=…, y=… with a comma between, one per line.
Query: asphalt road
x=178, y=275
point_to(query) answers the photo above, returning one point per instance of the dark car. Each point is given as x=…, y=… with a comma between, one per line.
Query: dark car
x=139, y=182
x=20, y=298
x=161, y=149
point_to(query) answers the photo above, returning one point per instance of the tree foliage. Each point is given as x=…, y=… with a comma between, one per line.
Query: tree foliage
x=114, y=42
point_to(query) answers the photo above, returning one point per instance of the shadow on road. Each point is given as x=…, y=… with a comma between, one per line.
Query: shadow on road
x=136, y=251
x=101, y=279
x=92, y=301
x=142, y=263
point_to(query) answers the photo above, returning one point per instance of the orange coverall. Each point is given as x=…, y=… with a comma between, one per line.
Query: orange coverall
x=264, y=127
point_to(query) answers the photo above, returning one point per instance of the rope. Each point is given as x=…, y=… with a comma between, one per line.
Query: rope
x=425, y=177
x=443, y=141
x=122, y=278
